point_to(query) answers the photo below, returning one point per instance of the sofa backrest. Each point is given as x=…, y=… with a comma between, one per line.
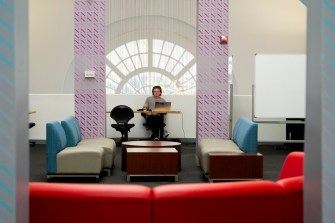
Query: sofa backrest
x=294, y=199
x=55, y=142
x=246, y=201
x=219, y=202
x=86, y=203
x=245, y=135
x=72, y=131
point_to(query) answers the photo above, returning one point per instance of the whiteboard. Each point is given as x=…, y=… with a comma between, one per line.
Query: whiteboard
x=280, y=86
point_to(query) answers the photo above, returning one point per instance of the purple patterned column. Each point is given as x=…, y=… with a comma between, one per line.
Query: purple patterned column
x=212, y=70
x=89, y=47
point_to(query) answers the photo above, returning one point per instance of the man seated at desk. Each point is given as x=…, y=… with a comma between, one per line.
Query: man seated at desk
x=154, y=121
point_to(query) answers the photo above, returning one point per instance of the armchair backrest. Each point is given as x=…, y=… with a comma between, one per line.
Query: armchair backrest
x=56, y=141
x=245, y=135
x=293, y=165
x=72, y=131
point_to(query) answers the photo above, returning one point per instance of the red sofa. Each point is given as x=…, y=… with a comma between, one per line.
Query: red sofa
x=248, y=201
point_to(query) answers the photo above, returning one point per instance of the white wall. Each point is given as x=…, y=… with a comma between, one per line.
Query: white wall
x=255, y=26
x=55, y=107
x=51, y=45
x=263, y=26
x=267, y=26
x=48, y=107
x=267, y=133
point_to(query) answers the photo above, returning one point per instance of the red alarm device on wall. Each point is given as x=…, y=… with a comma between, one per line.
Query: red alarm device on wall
x=223, y=39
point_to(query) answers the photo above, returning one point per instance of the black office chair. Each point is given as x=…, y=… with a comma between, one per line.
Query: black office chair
x=122, y=114
x=31, y=124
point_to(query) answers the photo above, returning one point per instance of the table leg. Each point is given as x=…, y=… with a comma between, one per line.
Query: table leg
x=161, y=127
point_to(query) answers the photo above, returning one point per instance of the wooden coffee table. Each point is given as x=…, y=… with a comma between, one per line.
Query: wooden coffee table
x=152, y=162
x=148, y=144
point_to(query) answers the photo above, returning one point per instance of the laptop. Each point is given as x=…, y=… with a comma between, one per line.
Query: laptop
x=162, y=106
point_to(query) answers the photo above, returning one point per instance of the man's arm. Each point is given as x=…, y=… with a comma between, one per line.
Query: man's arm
x=146, y=103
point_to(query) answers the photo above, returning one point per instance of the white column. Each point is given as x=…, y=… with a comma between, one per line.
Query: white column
x=319, y=193
x=14, y=150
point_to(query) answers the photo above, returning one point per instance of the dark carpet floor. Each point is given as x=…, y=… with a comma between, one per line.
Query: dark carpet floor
x=273, y=159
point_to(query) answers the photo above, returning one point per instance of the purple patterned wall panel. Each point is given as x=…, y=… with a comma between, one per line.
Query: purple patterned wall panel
x=89, y=47
x=212, y=70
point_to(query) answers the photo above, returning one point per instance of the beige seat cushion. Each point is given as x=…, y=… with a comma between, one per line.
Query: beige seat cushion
x=108, y=146
x=72, y=160
x=214, y=145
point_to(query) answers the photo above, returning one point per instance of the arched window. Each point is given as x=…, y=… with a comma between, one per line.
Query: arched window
x=136, y=66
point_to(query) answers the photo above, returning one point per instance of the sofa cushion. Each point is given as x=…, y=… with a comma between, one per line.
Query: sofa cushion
x=72, y=131
x=103, y=142
x=55, y=142
x=73, y=160
x=108, y=146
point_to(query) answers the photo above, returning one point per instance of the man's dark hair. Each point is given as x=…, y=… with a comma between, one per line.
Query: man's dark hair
x=157, y=87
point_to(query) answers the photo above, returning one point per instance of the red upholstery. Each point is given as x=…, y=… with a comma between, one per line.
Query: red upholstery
x=56, y=203
x=257, y=201
x=293, y=165
x=293, y=208
x=248, y=201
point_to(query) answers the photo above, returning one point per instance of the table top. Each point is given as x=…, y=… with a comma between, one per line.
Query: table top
x=233, y=154
x=154, y=112
x=151, y=150
x=151, y=143
x=158, y=112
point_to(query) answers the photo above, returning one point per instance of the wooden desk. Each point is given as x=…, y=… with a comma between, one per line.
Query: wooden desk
x=153, y=112
x=158, y=112
x=161, y=120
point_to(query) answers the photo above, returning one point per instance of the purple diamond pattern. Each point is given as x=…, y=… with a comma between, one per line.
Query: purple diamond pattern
x=212, y=70
x=89, y=49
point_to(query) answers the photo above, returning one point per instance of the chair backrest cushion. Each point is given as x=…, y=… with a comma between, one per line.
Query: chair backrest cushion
x=72, y=131
x=245, y=135
x=122, y=114
x=56, y=141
